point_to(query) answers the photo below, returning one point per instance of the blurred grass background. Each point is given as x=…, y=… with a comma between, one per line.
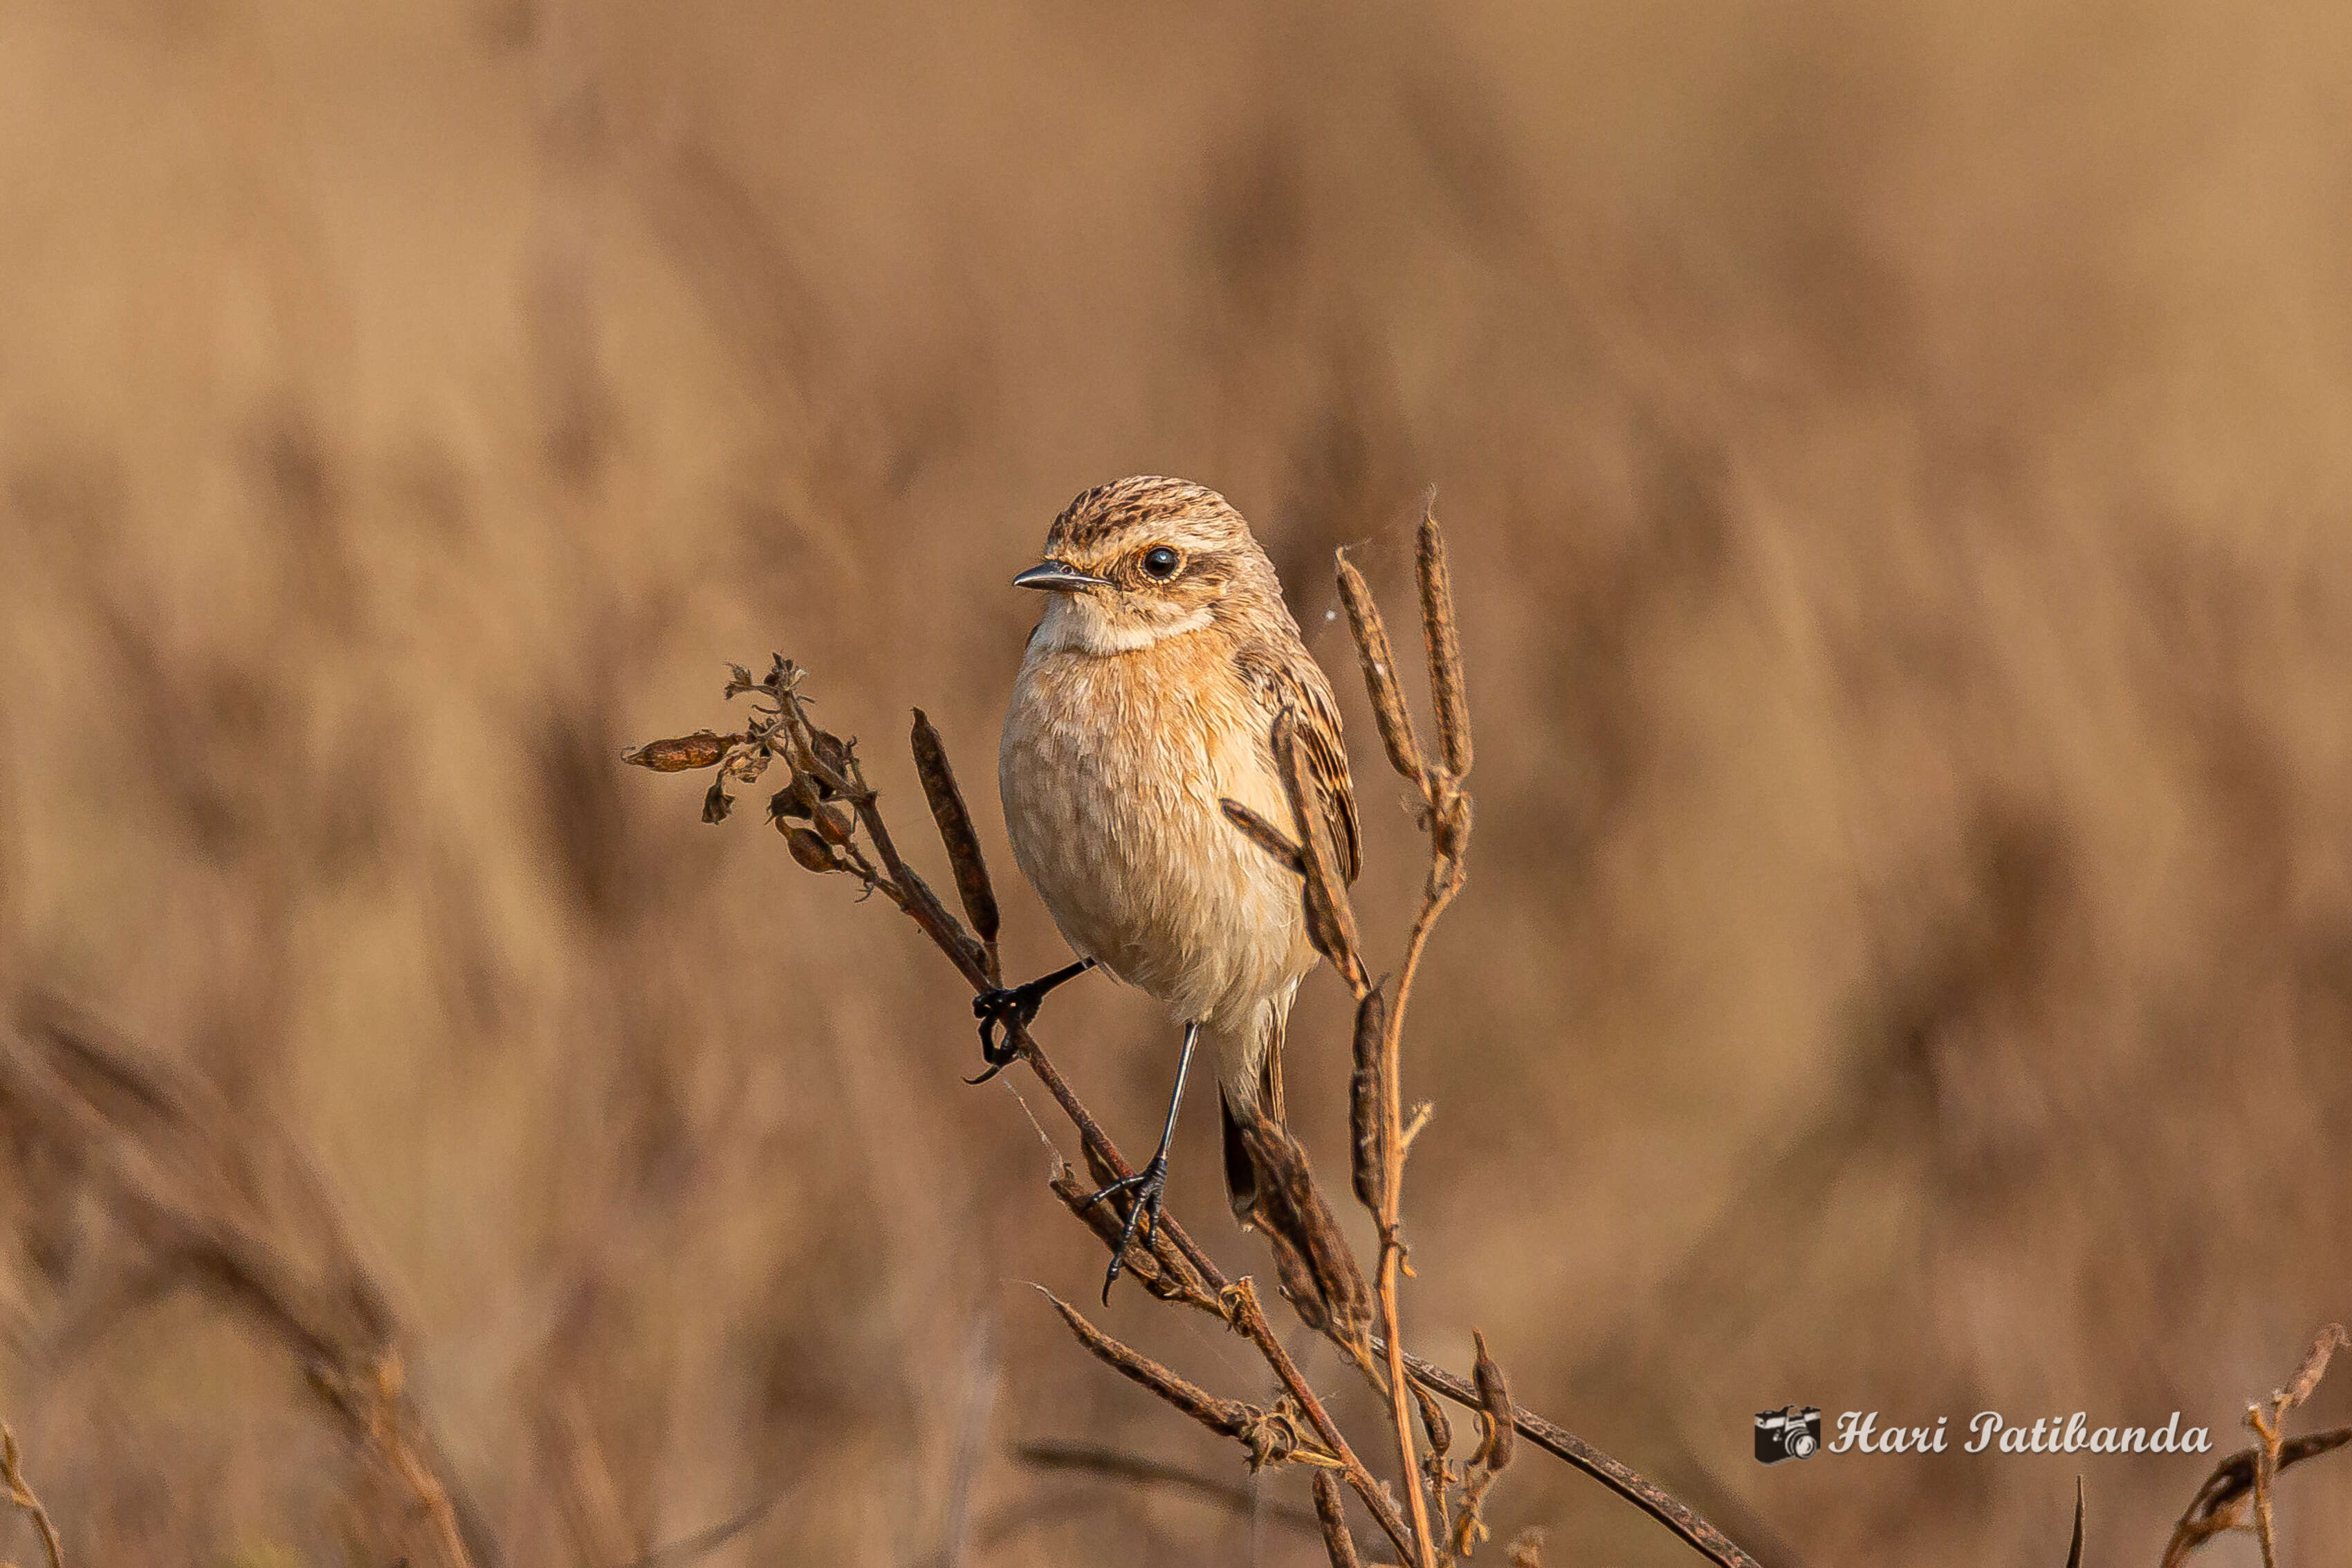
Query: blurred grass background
x=1896, y=459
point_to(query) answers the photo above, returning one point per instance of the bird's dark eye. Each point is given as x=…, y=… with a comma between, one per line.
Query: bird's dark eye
x=1161, y=562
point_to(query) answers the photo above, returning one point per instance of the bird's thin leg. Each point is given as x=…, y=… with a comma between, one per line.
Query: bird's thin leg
x=1148, y=1183
x=1003, y=1008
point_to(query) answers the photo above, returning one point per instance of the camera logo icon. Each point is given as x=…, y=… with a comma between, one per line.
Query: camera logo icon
x=1792, y=1432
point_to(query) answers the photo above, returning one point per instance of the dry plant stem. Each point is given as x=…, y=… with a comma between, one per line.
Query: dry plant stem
x=1399, y=1404
x=2266, y=1460
x=1231, y=1417
x=1336, y=1542
x=1250, y=1319
x=2219, y=1504
x=825, y=769
x=1441, y=893
x=1448, y=825
x=1090, y=1459
x=2268, y=1424
x=20, y=1493
x=1696, y=1532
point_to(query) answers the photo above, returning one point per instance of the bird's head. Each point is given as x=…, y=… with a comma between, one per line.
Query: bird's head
x=1136, y=561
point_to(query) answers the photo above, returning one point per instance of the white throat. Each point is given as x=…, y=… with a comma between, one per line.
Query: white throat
x=1075, y=622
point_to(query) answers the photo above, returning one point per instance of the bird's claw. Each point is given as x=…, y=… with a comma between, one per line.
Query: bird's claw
x=1013, y=1008
x=1147, y=1184
x=1008, y=1009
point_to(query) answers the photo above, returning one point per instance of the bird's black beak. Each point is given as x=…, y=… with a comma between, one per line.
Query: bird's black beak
x=1059, y=578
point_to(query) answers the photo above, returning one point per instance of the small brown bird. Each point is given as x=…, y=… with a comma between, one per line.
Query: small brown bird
x=1147, y=694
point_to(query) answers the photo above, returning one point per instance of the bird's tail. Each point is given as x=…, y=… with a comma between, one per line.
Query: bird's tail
x=1249, y=1083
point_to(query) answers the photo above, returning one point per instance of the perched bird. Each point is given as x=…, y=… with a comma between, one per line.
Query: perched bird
x=1147, y=695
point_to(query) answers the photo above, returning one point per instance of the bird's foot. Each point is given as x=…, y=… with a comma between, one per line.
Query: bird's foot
x=1011, y=1007
x=1146, y=1187
x=1007, y=1008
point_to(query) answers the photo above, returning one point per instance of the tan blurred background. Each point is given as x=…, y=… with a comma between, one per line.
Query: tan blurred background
x=1896, y=460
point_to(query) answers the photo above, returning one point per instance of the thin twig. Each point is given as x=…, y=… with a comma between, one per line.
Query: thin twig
x=1702, y=1537
x=20, y=1493
x=1090, y=1459
x=1250, y=1319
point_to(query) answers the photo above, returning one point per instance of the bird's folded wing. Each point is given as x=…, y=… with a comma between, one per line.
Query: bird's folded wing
x=1296, y=683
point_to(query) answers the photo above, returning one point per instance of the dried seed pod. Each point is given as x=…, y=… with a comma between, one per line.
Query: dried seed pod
x=956, y=831
x=1291, y=1208
x=832, y=826
x=1332, y=1515
x=1434, y=1424
x=1444, y=637
x=1330, y=919
x=1263, y=834
x=805, y=799
x=2306, y=1377
x=703, y=748
x=1273, y=1436
x=1295, y=1280
x=811, y=852
x=835, y=755
x=1367, y=1117
x=1228, y=1417
x=1495, y=1419
x=1379, y=659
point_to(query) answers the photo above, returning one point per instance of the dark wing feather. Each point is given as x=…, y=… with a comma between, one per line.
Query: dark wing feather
x=1296, y=682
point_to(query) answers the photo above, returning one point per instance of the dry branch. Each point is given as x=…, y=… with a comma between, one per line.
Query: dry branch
x=1317, y=1269
x=1622, y=1479
x=1270, y=1436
